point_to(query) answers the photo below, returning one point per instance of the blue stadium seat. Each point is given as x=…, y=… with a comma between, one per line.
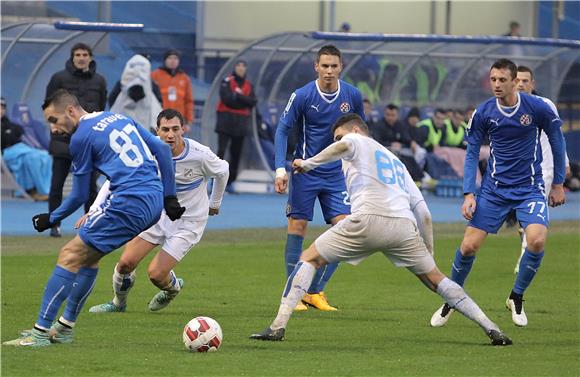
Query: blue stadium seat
x=36, y=134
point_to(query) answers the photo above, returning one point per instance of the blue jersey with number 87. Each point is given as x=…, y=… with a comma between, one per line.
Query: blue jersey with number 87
x=116, y=146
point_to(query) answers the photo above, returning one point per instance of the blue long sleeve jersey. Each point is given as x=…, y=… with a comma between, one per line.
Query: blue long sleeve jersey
x=315, y=112
x=516, y=153
x=123, y=151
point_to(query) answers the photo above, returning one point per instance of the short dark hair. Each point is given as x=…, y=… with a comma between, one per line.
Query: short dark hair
x=328, y=50
x=523, y=68
x=350, y=120
x=506, y=64
x=514, y=24
x=366, y=100
x=392, y=106
x=80, y=46
x=61, y=98
x=440, y=110
x=170, y=114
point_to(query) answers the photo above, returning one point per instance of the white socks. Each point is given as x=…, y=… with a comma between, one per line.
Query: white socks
x=456, y=297
x=296, y=287
x=173, y=288
x=122, y=283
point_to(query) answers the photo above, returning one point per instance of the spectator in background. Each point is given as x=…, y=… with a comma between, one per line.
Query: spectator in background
x=371, y=118
x=454, y=134
x=431, y=130
x=136, y=98
x=234, y=113
x=175, y=86
x=514, y=30
x=80, y=78
x=344, y=28
x=30, y=167
x=469, y=112
x=394, y=135
x=416, y=134
x=117, y=88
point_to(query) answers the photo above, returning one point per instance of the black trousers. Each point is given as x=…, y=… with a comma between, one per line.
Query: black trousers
x=60, y=170
x=236, y=144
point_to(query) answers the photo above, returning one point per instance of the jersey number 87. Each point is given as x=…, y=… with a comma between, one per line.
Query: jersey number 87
x=122, y=143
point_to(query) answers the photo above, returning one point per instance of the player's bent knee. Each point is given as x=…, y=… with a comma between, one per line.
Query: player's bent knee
x=312, y=256
x=70, y=260
x=536, y=244
x=126, y=265
x=157, y=276
x=469, y=247
x=297, y=226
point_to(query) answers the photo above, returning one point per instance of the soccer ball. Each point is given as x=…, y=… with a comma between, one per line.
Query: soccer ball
x=202, y=334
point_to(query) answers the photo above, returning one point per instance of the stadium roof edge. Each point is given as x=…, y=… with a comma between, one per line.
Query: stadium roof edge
x=369, y=37
x=97, y=26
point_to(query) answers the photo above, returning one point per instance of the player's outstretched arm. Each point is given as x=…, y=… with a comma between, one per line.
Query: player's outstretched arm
x=78, y=196
x=335, y=151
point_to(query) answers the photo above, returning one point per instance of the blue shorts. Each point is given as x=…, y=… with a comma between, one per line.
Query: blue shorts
x=494, y=204
x=120, y=218
x=330, y=191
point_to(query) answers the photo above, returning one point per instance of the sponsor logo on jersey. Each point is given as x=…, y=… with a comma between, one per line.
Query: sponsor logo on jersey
x=316, y=107
x=344, y=107
x=526, y=120
x=188, y=173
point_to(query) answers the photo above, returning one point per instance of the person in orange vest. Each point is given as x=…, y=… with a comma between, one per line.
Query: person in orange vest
x=234, y=112
x=175, y=85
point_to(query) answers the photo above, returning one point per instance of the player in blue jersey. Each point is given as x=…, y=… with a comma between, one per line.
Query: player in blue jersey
x=314, y=109
x=513, y=122
x=124, y=152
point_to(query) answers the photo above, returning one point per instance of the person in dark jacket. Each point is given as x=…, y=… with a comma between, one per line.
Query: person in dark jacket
x=393, y=134
x=80, y=78
x=234, y=111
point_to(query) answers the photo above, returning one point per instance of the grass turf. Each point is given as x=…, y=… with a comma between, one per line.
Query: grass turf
x=236, y=277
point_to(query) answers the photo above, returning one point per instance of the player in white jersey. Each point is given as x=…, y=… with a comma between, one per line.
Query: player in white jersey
x=194, y=165
x=527, y=84
x=386, y=210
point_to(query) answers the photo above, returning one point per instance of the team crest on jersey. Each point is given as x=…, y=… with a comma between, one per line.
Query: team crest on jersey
x=344, y=107
x=188, y=173
x=526, y=120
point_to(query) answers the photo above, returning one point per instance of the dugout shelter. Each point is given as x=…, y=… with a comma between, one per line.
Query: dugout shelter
x=426, y=71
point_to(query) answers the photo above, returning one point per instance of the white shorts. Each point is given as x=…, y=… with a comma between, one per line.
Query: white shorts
x=176, y=237
x=357, y=237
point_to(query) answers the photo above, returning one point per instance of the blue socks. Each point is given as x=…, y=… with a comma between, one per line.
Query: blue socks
x=529, y=266
x=292, y=252
x=461, y=267
x=81, y=290
x=292, y=256
x=57, y=289
x=322, y=277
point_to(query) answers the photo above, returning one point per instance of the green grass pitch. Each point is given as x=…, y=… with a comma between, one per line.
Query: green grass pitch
x=236, y=277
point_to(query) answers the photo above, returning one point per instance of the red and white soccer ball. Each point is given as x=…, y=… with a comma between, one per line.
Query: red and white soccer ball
x=202, y=334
